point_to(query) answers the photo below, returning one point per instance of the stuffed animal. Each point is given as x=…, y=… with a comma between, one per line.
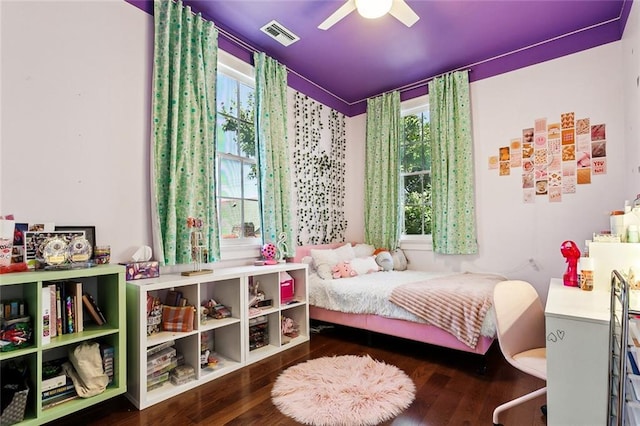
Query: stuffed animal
x=343, y=270
x=399, y=260
x=384, y=260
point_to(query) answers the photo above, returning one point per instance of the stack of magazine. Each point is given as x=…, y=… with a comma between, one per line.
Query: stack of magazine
x=161, y=359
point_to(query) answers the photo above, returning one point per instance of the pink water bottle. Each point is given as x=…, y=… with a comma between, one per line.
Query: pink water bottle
x=571, y=253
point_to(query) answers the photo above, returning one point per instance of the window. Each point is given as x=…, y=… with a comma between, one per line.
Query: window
x=237, y=179
x=415, y=170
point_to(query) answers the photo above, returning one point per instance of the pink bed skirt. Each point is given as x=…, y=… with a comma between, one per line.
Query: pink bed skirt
x=394, y=327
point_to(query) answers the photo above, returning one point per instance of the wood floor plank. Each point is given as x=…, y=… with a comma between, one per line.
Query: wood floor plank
x=449, y=389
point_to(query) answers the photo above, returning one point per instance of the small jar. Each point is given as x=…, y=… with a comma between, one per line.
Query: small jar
x=632, y=234
x=585, y=266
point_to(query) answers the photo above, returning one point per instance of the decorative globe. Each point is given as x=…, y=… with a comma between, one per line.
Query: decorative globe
x=269, y=251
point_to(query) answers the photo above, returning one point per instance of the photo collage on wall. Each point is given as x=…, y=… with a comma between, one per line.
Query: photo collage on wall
x=554, y=157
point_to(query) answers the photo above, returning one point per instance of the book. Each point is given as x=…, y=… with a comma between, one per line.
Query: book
x=45, y=318
x=93, y=309
x=155, y=349
x=53, y=375
x=107, y=352
x=53, y=328
x=53, y=382
x=173, y=298
x=63, y=307
x=74, y=289
x=57, y=400
x=69, y=310
x=634, y=333
x=58, y=311
x=633, y=366
x=68, y=388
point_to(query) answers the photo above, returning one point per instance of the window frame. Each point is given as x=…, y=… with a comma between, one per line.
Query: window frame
x=242, y=248
x=412, y=241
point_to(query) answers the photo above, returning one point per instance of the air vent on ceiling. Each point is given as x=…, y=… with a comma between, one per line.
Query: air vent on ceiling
x=277, y=31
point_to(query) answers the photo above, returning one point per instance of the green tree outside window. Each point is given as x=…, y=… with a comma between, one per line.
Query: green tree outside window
x=415, y=165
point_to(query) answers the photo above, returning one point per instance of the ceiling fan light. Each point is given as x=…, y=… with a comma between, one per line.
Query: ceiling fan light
x=372, y=9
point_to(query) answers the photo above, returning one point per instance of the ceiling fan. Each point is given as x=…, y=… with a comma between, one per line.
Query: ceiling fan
x=373, y=9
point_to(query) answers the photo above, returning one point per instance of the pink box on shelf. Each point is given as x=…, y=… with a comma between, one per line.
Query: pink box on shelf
x=287, y=289
x=140, y=270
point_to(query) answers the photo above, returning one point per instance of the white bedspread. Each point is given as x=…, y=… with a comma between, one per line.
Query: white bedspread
x=369, y=294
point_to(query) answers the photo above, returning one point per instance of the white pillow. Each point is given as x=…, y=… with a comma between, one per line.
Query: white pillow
x=325, y=260
x=363, y=250
x=344, y=253
x=364, y=265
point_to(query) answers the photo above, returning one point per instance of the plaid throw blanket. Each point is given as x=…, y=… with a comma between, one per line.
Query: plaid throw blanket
x=456, y=304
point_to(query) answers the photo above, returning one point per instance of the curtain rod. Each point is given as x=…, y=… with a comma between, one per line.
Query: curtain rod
x=425, y=81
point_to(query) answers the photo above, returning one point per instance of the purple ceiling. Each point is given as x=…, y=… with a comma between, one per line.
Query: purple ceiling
x=359, y=58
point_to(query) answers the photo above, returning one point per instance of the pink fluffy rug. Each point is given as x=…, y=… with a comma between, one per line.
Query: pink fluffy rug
x=343, y=390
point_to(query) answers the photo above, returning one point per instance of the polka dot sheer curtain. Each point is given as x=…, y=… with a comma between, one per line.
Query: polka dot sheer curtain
x=382, y=200
x=454, y=219
x=273, y=152
x=183, y=125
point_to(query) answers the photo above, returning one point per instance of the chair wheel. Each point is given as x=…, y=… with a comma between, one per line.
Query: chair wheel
x=544, y=409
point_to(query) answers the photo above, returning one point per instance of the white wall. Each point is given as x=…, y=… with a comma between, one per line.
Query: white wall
x=509, y=231
x=631, y=89
x=75, y=117
x=354, y=179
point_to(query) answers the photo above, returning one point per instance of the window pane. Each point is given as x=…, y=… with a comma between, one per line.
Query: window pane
x=230, y=182
x=412, y=185
x=237, y=185
x=426, y=140
x=247, y=140
x=227, y=95
x=412, y=128
x=415, y=165
x=417, y=204
x=226, y=135
x=252, y=219
x=246, y=103
x=413, y=157
x=250, y=181
x=230, y=213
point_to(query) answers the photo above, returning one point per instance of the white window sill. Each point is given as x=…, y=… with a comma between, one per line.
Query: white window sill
x=416, y=242
x=231, y=251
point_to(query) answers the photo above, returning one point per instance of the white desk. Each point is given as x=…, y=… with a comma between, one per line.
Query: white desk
x=577, y=326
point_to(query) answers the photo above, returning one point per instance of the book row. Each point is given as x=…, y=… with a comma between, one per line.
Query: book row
x=64, y=304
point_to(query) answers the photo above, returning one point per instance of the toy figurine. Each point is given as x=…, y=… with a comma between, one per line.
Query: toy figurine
x=571, y=252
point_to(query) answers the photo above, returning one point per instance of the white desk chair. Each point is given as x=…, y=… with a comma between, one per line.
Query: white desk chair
x=521, y=334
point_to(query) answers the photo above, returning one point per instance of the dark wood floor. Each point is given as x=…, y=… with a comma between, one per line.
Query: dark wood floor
x=450, y=390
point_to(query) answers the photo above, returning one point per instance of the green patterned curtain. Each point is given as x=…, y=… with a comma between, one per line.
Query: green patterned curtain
x=184, y=118
x=381, y=197
x=454, y=219
x=273, y=151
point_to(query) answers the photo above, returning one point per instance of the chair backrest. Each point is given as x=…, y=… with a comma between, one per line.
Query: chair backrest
x=520, y=319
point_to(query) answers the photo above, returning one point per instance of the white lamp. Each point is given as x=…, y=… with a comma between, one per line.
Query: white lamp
x=372, y=9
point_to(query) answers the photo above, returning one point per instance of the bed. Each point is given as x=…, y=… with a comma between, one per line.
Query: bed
x=374, y=302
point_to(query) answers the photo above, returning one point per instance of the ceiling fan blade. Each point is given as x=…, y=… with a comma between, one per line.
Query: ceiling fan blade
x=401, y=11
x=344, y=10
